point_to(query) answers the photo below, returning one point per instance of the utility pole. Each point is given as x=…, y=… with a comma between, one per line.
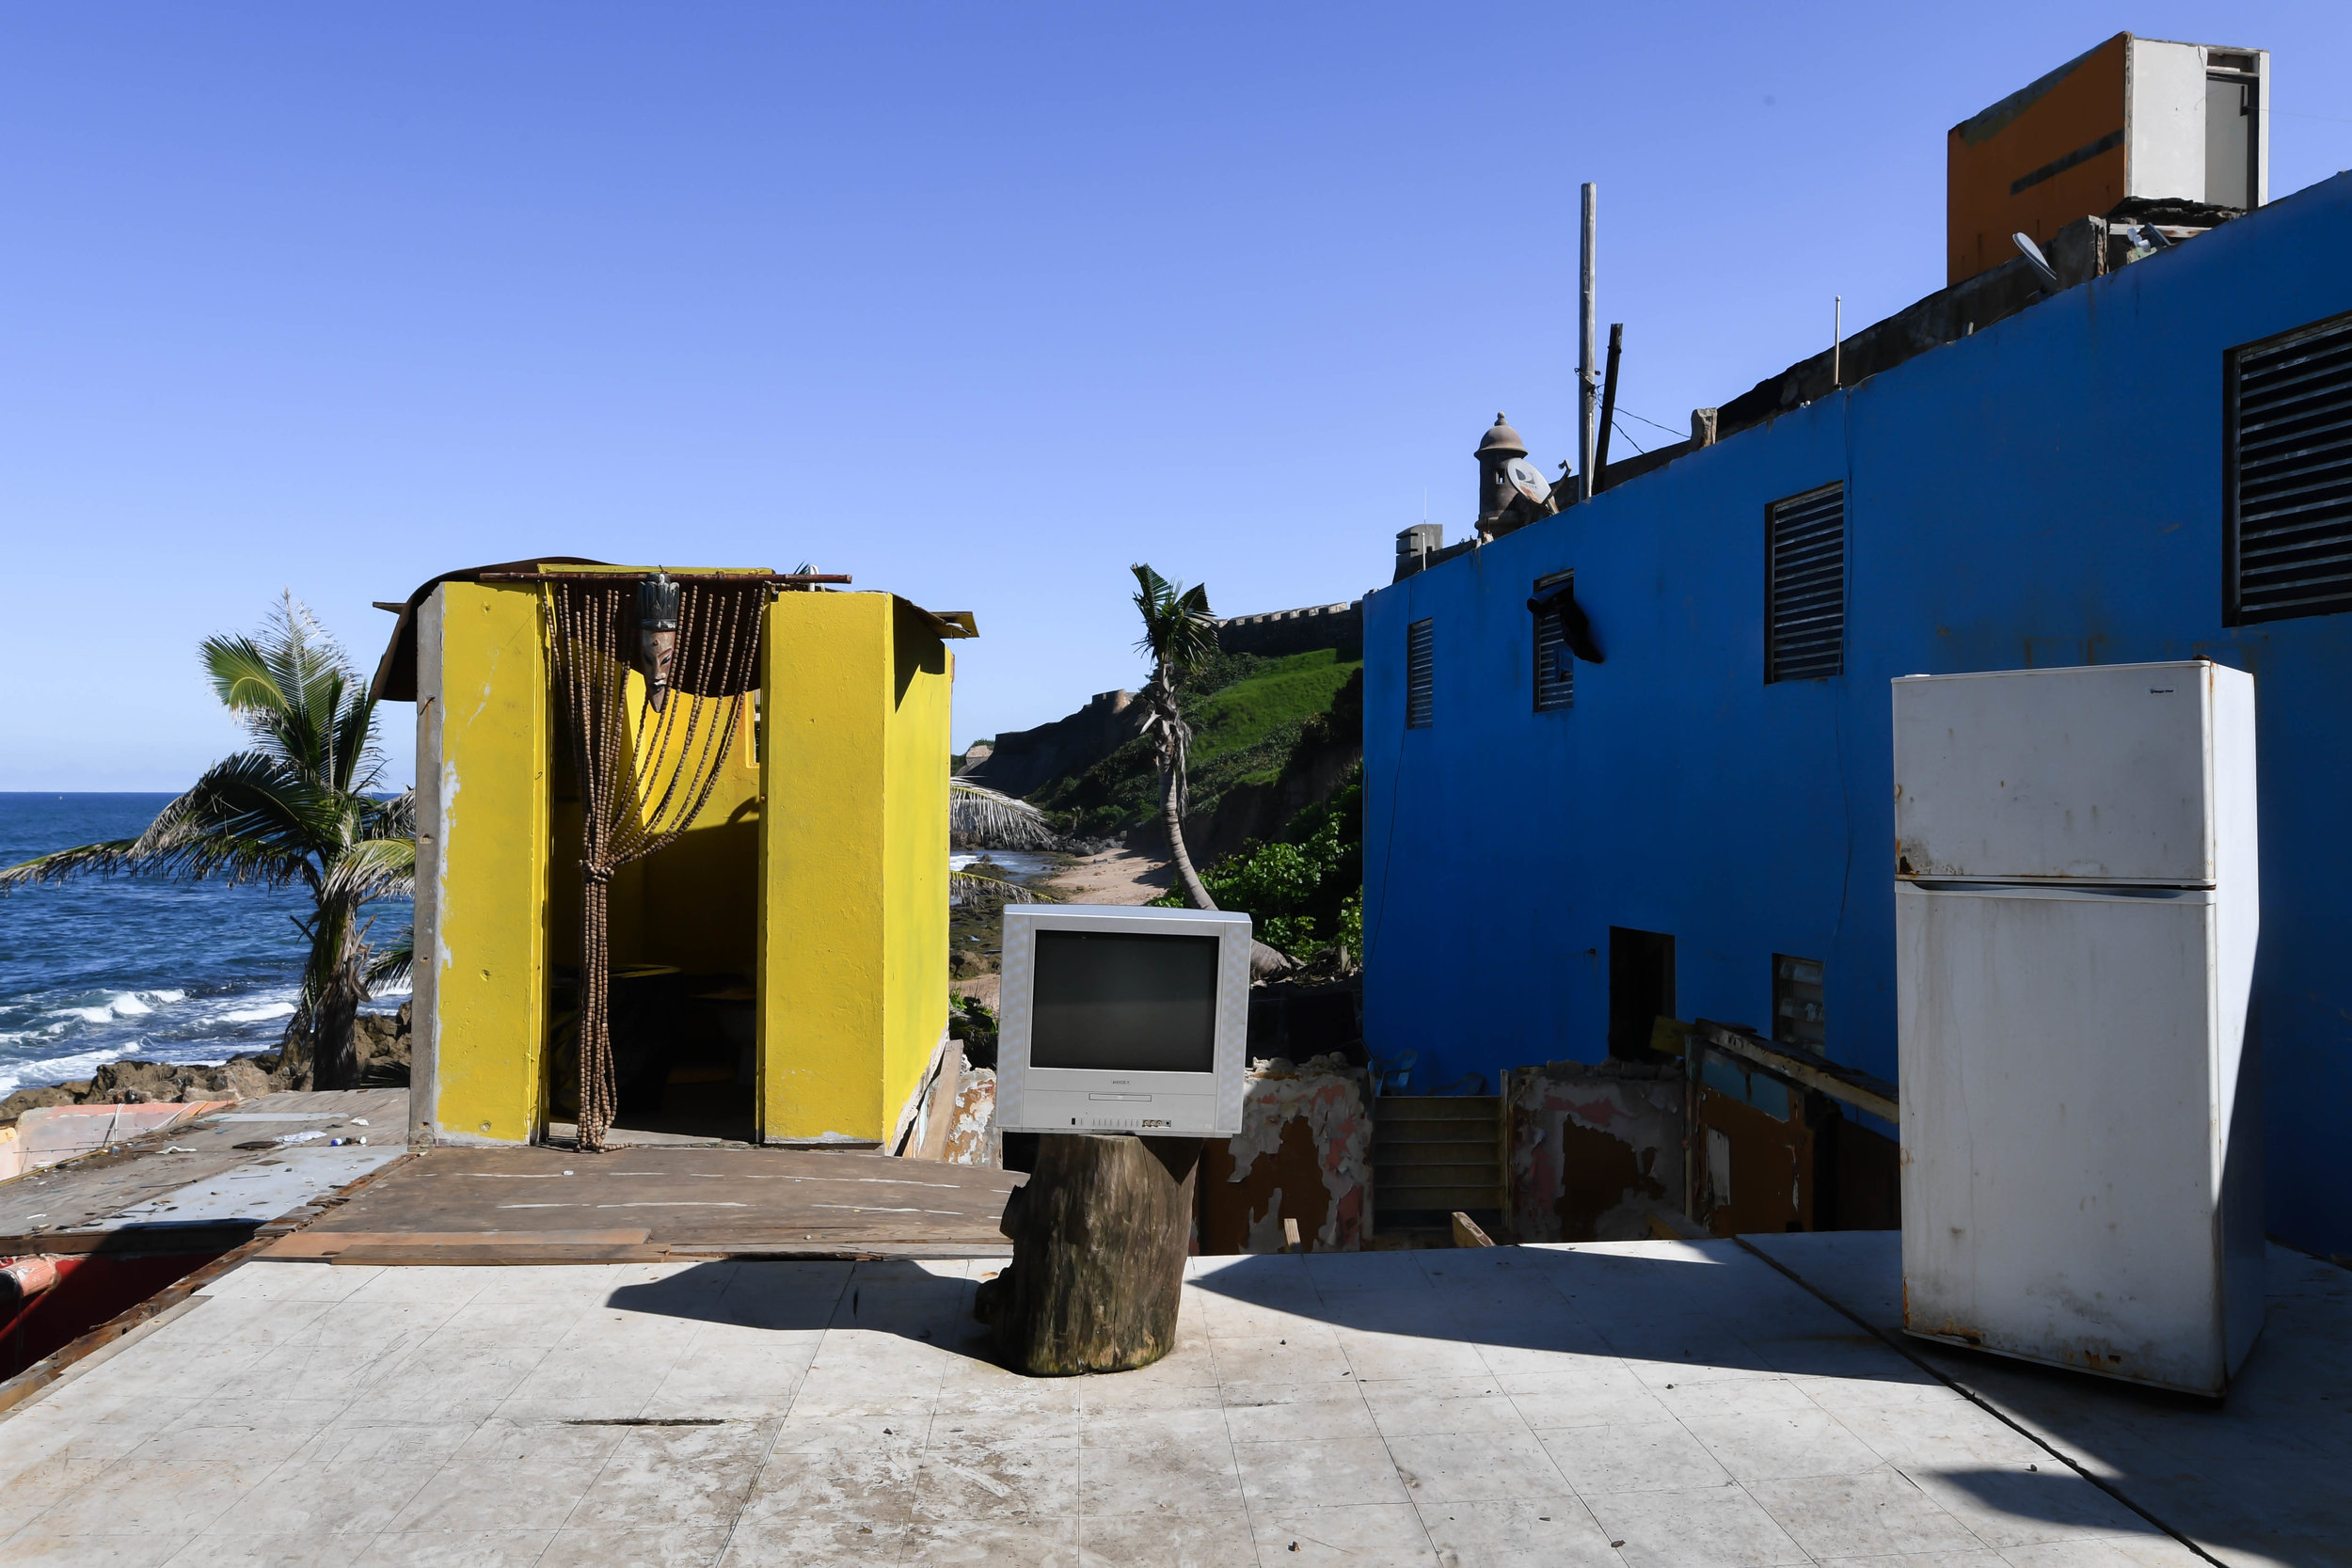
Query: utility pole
x=1586, y=388
x=1607, y=408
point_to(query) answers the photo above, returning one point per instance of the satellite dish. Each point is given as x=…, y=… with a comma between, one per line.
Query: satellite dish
x=2035, y=260
x=1526, y=481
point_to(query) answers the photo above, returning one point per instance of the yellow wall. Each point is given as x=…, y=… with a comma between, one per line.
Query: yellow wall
x=819, y=866
x=698, y=899
x=483, y=700
x=853, y=850
x=694, y=905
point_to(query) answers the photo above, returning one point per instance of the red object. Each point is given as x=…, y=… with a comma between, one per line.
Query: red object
x=48, y=1303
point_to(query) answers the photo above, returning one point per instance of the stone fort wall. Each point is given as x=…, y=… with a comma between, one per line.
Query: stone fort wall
x=1339, y=626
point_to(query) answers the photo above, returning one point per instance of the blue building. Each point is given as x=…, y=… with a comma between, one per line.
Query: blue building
x=1702, y=825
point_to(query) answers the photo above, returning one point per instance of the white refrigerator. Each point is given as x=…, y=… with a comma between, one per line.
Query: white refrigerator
x=2076, y=907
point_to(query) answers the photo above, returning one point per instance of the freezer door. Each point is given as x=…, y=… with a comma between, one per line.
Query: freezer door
x=2065, y=1121
x=2101, y=774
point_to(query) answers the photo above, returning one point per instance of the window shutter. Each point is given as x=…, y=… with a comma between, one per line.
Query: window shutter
x=1420, y=654
x=1804, y=607
x=1555, y=666
x=2287, y=481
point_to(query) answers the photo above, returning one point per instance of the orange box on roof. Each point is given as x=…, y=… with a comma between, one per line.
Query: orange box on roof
x=2132, y=117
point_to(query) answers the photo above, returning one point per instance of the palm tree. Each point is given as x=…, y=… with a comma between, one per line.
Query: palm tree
x=979, y=818
x=1180, y=634
x=295, y=806
x=982, y=819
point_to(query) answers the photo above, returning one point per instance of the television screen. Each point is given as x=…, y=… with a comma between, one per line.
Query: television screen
x=1131, y=1002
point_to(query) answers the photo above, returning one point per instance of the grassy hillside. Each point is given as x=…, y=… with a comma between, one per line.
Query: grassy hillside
x=1281, y=693
x=1246, y=717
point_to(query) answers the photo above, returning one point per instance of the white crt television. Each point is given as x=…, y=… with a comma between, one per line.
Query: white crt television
x=1119, y=1020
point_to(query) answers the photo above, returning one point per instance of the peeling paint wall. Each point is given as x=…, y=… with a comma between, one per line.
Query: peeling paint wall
x=1304, y=1153
x=1593, y=1153
x=1764, y=1168
x=974, y=1138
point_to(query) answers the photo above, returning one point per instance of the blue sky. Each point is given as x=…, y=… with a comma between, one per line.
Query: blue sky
x=979, y=303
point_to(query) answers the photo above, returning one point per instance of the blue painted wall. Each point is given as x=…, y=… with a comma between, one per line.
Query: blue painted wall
x=2046, y=492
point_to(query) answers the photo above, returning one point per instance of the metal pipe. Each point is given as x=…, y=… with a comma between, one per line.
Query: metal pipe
x=1588, y=323
x=1837, y=343
x=1608, y=408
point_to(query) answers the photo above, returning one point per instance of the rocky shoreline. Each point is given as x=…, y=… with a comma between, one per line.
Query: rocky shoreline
x=382, y=1039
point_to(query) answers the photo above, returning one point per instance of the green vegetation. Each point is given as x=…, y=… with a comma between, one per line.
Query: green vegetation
x=1304, y=891
x=1248, y=714
x=1275, y=698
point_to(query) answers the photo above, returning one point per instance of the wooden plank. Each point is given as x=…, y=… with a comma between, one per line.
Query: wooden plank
x=744, y=1200
x=1467, y=1231
x=315, y=1242
x=128, y=1239
x=939, y=1113
x=1852, y=1085
x=509, y=1255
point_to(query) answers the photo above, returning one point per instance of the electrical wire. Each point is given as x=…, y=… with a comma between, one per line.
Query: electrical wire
x=1630, y=414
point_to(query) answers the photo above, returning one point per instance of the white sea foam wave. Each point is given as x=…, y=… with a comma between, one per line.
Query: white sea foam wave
x=57, y=1069
x=63, y=1070
x=254, y=1015
x=129, y=1004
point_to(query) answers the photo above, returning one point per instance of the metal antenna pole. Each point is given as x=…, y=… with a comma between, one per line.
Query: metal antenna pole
x=1837, y=343
x=1588, y=325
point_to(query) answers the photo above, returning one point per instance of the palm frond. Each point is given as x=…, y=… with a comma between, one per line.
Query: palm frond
x=983, y=818
x=395, y=817
x=980, y=884
x=1178, y=629
x=359, y=762
x=254, y=796
x=245, y=820
x=372, y=868
x=89, y=860
x=241, y=677
x=389, y=966
x=299, y=697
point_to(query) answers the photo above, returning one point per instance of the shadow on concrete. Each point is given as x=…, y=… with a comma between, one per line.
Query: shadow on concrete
x=887, y=1296
x=1673, y=1312
x=2260, y=1471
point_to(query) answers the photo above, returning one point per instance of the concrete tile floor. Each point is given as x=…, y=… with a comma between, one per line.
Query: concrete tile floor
x=1643, y=1404
x=2264, y=1477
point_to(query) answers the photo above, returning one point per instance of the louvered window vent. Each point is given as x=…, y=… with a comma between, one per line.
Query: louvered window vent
x=1420, y=672
x=1555, y=666
x=1805, y=576
x=2287, y=479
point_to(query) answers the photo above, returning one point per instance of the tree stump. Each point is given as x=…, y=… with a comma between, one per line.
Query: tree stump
x=1100, y=1235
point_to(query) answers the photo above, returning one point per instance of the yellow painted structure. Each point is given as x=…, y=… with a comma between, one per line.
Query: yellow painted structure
x=854, y=857
x=482, y=742
x=816, y=877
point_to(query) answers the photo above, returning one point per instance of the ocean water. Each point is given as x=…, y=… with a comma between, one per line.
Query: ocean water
x=115, y=967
